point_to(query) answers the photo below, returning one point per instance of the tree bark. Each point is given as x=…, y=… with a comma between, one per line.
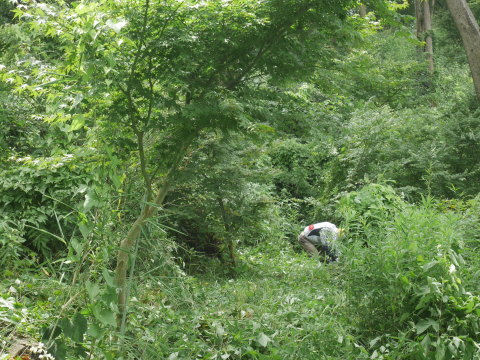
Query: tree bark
x=363, y=10
x=149, y=210
x=419, y=19
x=127, y=244
x=470, y=33
x=423, y=15
x=427, y=12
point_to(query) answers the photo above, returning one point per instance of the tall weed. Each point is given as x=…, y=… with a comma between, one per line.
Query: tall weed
x=405, y=292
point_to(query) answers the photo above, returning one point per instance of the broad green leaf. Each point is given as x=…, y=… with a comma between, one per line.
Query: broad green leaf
x=77, y=246
x=95, y=331
x=220, y=331
x=105, y=316
x=456, y=341
x=77, y=123
x=85, y=229
x=426, y=343
x=51, y=332
x=116, y=26
x=93, y=290
x=59, y=350
x=116, y=179
x=74, y=329
x=108, y=278
x=470, y=306
x=82, y=9
x=90, y=201
x=423, y=325
x=440, y=353
x=374, y=341
x=452, y=348
x=430, y=265
x=78, y=100
x=80, y=327
x=263, y=339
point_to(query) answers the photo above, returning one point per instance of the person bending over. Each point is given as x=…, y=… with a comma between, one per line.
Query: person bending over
x=320, y=240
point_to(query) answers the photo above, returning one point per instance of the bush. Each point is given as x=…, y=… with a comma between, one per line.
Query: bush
x=45, y=200
x=422, y=151
x=367, y=210
x=11, y=244
x=405, y=292
x=298, y=167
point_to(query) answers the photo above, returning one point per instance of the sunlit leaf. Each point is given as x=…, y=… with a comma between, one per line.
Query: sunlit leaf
x=116, y=26
x=263, y=339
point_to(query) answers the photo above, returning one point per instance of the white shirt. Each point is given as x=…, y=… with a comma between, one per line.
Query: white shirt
x=324, y=233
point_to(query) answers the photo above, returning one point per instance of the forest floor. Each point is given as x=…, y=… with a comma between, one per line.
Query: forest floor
x=279, y=304
x=276, y=304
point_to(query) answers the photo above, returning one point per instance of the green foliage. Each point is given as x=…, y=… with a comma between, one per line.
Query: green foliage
x=44, y=202
x=6, y=14
x=261, y=116
x=11, y=244
x=405, y=290
x=10, y=311
x=244, y=317
x=471, y=216
x=418, y=149
x=385, y=71
x=367, y=210
x=230, y=203
x=297, y=167
x=469, y=210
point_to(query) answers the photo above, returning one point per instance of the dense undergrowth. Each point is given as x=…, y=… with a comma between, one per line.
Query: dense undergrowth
x=404, y=288
x=357, y=133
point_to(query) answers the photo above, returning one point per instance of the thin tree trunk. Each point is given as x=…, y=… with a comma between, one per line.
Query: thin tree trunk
x=470, y=33
x=419, y=19
x=127, y=244
x=148, y=211
x=419, y=24
x=363, y=10
x=428, y=35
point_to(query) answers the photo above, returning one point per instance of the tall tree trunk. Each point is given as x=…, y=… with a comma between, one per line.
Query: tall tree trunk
x=423, y=15
x=427, y=12
x=470, y=33
x=363, y=10
x=419, y=19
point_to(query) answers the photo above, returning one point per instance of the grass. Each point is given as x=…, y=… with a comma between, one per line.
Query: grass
x=278, y=305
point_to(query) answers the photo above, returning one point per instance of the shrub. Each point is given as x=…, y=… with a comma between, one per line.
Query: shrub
x=366, y=210
x=44, y=199
x=298, y=167
x=426, y=151
x=405, y=290
x=11, y=244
